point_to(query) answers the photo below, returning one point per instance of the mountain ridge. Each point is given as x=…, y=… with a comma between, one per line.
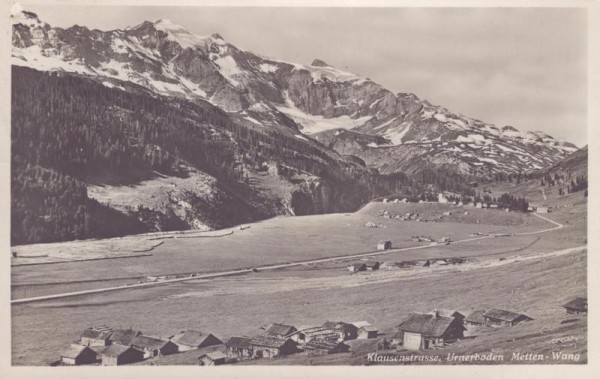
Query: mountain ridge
x=317, y=98
x=160, y=129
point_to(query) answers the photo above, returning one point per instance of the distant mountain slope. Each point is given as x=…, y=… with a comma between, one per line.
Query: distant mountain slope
x=394, y=132
x=165, y=163
x=575, y=164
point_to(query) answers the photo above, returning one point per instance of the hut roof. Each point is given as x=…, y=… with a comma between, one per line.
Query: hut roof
x=115, y=350
x=97, y=334
x=148, y=342
x=579, y=303
x=338, y=325
x=268, y=341
x=369, y=328
x=214, y=355
x=73, y=351
x=426, y=324
x=238, y=342
x=124, y=336
x=476, y=317
x=190, y=338
x=360, y=324
x=448, y=313
x=280, y=329
x=501, y=314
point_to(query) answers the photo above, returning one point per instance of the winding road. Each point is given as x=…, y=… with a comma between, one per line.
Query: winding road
x=264, y=268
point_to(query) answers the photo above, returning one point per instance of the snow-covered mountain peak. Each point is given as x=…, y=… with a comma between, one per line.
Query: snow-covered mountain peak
x=29, y=19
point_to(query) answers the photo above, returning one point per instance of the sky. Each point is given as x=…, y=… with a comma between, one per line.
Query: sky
x=524, y=67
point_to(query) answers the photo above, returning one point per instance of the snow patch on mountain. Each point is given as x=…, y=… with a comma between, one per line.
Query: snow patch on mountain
x=34, y=57
x=385, y=123
x=182, y=36
x=268, y=68
x=314, y=124
x=253, y=120
x=227, y=67
x=395, y=135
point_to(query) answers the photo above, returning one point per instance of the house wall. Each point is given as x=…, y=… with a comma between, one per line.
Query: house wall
x=86, y=356
x=130, y=356
x=94, y=342
x=363, y=334
x=109, y=361
x=239, y=353
x=210, y=340
x=265, y=352
x=412, y=341
x=169, y=348
x=186, y=348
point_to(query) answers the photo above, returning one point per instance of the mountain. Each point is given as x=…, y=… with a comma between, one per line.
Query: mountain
x=391, y=132
x=155, y=128
x=574, y=165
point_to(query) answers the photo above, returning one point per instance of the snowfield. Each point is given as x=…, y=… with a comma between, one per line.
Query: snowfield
x=314, y=124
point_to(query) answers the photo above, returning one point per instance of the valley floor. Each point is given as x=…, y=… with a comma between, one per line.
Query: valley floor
x=533, y=274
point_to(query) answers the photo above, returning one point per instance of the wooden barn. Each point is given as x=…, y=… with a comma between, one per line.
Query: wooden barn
x=239, y=348
x=501, y=318
x=194, y=339
x=384, y=245
x=116, y=355
x=365, y=330
x=123, y=336
x=577, y=305
x=308, y=333
x=153, y=347
x=427, y=330
x=279, y=330
x=78, y=355
x=271, y=347
x=213, y=358
x=372, y=266
x=475, y=318
x=344, y=330
x=93, y=337
x=356, y=267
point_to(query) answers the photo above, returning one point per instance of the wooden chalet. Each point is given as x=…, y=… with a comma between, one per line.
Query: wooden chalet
x=116, y=355
x=356, y=267
x=123, y=336
x=501, y=318
x=194, y=339
x=365, y=330
x=427, y=330
x=279, y=330
x=153, y=347
x=93, y=337
x=271, y=347
x=78, y=355
x=475, y=318
x=344, y=330
x=239, y=348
